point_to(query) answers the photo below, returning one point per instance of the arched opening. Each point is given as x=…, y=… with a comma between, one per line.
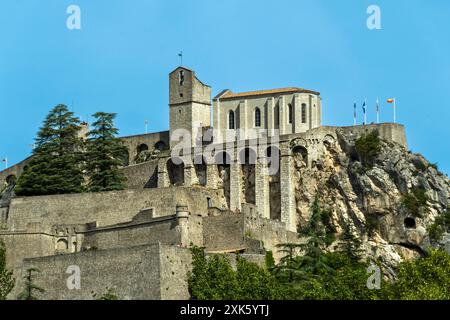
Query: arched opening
x=276, y=117
x=329, y=141
x=175, y=170
x=247, y=159
x=231, y=121
x=160, y=145
x=223, y=161
x=257, y=117
x=200, y=169
x=247, y=156
x=290, y=113
x=11, y=180
x=300, y=156
x=62, y=245
x=303, y=112
x=274, y=155
x=410, y=223
x=142, y=153
x=142, y=147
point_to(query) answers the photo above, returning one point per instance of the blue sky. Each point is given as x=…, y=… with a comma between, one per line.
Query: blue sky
x=120, y=59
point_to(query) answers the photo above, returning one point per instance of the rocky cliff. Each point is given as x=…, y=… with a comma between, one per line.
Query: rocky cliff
x=390, y=196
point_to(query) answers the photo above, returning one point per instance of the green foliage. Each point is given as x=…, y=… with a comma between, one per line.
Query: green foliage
x=349, y=244
x=110, y=294
x=368, y=146
x=308, y=271
x=30, y=286
x=440, y=225
x=427, y=278
x=55, y=167
x=415, y=202
x=213, y=278
x=7, y=280
x=104, y=154
x=434, y=166
x=270, y=261
x=345, y=280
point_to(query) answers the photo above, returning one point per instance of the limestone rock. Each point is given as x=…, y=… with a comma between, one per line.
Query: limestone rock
x=364, y=195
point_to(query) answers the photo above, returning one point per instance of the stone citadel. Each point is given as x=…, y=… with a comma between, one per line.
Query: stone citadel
x=137, y=240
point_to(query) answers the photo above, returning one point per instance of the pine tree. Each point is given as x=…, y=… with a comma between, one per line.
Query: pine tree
x=30, y=286
x=103, y=155
x=6, y=279
x=350, y=245
x=319, y=233
x=56, y=165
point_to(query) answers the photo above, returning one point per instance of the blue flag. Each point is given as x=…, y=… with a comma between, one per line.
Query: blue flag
x=364, y=107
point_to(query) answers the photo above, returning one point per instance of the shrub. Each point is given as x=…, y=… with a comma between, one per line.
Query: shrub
x=427, y=278
x=109, y=294
x=440, y=225
x=213, y=278
x=434, y=166
x=415, y=201
x=368, y=147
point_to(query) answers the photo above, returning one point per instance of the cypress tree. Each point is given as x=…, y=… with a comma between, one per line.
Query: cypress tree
x=30, y=286
x=103, y=155
x=7, y=280
x=350, y=245
x=56, y=165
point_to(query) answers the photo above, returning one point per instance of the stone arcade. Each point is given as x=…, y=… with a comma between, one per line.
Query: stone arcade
x=136, y=240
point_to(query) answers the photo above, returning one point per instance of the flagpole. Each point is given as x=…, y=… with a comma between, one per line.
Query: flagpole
x=365, y=115
x=354, y=114
x=378, y=112
x=395, y=100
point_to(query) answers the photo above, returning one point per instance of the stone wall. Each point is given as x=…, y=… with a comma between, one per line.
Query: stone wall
x=143, y=175
x=230, y=231
x=223, y=232
x=31, y=225
x=148, y=272
x=150, y=140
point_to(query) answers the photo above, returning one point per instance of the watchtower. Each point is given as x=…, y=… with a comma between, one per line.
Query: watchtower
x=189, y=103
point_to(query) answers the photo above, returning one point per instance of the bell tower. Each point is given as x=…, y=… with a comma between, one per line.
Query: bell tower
x=189, y=103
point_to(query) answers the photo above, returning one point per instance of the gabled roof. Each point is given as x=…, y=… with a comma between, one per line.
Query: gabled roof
x=193, y=72
x=181, y=67
x=227, y=94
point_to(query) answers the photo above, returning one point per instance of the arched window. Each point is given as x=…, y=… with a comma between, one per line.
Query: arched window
x=257, y=117
x=291, y=113
x=231, y=120
x=142, y=147
x=303, y=112
x=181, y=77
x=276, y=114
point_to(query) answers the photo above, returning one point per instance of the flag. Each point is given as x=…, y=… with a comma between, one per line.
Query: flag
x=354, y=113
x=378, y=112
x=392, y=100
x=364, y=110
x=4, y=160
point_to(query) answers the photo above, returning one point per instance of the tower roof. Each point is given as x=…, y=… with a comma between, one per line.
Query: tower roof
x=228, y=94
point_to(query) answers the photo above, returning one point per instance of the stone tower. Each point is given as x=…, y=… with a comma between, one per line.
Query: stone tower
x=189, y=103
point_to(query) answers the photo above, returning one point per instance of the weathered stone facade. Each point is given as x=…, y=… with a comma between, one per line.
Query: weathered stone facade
x=241, y=194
